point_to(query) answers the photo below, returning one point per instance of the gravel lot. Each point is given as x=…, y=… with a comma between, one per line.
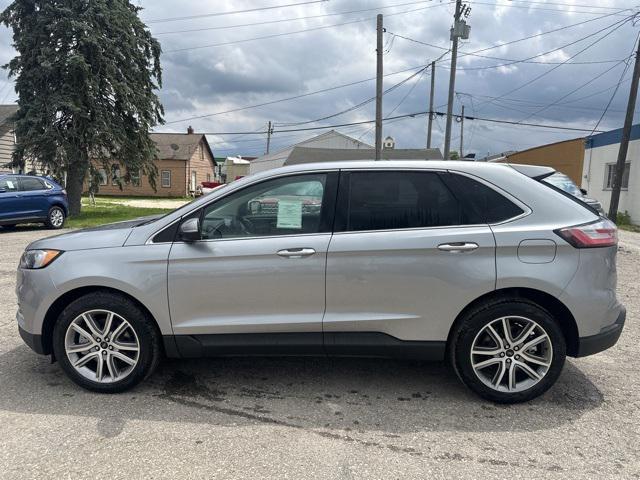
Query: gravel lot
x=316, y=418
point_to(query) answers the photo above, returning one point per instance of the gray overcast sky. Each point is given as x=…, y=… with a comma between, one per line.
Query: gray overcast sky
x=202, y=81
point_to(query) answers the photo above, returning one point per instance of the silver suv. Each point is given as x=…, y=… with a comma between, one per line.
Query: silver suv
x=483, y=265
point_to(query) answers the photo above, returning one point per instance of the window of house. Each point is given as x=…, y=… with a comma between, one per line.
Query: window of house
x=396, y=200
x=282, y=206
x=115, y=174
x=135, y=177
x=165, y=178
x=103, y=176
x=610, y=171
x=31, y=184
x=208, y=177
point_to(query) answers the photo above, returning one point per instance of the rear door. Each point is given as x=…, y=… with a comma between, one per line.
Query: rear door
x=33, y=197
x=10, y=206
x=404, y=260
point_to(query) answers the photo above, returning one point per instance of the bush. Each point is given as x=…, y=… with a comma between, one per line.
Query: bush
x=623, y=218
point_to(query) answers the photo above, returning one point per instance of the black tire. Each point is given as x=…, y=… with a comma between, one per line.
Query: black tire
x=52, y=221
x=144, y=327
x=474, y=321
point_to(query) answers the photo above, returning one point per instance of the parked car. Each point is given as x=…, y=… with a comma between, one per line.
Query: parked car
x=482, y=265
x=32, y=199
x=564, y=183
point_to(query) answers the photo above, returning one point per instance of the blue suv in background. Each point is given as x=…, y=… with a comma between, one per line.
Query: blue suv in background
x=31, y=199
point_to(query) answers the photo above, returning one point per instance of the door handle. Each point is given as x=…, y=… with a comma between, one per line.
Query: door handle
x=296, y=252
x=458, y=247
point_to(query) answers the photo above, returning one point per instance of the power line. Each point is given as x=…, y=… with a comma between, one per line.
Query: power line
x=624, y=72
x=409, y=115
x=593, y=79
x=284, y=20
x=616, y=26
x=295, y=32
x=233, y=12
x=560, y=10
x=359, y=105
x=295, y=97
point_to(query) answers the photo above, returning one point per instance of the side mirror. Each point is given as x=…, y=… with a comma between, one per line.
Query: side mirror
x=583, y=191
x=190, y=230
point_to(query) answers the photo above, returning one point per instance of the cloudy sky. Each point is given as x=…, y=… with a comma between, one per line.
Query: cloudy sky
x=217, y=59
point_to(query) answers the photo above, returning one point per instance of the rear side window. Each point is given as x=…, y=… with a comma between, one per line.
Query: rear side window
x=394, y=200
x=482, y=204
x=9, y=184
x=31, y=184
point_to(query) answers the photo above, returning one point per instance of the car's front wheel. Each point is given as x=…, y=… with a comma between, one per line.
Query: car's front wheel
x=508, y=352
x=106, y=343
x=55, y=218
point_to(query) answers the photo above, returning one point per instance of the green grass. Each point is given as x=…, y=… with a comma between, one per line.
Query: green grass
x=108, y=212
x=630, y=228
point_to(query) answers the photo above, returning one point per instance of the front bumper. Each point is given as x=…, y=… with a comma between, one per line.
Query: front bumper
x=607, y=338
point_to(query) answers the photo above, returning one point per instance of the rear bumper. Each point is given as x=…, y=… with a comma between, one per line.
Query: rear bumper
x=607, y=338
x=33, y=341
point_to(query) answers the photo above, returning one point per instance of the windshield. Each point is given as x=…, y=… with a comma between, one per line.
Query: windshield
x=564, y=183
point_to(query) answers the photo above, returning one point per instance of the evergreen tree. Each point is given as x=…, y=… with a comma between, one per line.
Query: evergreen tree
x=86, y=75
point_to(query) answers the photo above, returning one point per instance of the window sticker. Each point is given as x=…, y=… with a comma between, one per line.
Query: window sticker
x=10, y=184
x=289, y=214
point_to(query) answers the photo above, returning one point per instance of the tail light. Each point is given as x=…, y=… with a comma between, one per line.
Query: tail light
x=601, y=233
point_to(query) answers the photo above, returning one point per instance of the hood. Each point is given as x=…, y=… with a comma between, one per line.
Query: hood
x=104, y=236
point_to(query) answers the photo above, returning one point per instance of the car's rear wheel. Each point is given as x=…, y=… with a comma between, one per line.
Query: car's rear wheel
x=55, y=218
x=106, y=343
x=508, y=352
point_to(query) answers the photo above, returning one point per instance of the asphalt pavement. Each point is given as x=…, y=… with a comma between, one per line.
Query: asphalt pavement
x=308, y=418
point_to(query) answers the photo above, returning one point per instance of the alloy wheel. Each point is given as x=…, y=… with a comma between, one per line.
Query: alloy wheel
x=56, y=217
x=511, y=354
x=102, y=346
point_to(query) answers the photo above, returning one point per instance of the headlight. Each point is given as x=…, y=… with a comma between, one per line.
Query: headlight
x=33, y=259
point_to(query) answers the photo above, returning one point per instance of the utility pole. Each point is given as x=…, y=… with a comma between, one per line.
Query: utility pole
x=269, y=132
x=624, y=143
x=379, y=74
x=461, y=132
x=431, y=96
x=460, y=29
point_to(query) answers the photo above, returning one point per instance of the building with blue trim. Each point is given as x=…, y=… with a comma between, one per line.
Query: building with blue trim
x=600, y=157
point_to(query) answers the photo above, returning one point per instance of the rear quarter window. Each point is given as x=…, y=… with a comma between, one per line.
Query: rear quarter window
x=482, y=203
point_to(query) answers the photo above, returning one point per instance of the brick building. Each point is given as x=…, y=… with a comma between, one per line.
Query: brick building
x=184, y=161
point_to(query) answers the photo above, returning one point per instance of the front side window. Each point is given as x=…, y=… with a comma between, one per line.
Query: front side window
x=395, y=200
x=9, y=184
x=283, y=206
x=610, y=175
x=31, y=184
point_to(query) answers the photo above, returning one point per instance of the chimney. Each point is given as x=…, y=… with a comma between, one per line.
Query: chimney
x=190, y=130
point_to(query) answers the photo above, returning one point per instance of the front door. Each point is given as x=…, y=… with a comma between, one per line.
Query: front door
x=259, y=269
x=402, y=263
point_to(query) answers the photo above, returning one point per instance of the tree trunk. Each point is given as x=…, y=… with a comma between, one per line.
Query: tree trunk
x=75, y=181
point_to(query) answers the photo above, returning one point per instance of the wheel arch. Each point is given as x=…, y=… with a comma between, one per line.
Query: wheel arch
x=555, y=307
x=66, y=298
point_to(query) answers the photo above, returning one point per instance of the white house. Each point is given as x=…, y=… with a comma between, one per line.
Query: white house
x=600, y=156
x=330, y=139
x=7, y=137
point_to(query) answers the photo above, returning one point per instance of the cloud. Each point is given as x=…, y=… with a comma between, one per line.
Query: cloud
x=209, y=80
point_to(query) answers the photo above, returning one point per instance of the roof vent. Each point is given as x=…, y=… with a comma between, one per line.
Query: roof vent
x=190, y=130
